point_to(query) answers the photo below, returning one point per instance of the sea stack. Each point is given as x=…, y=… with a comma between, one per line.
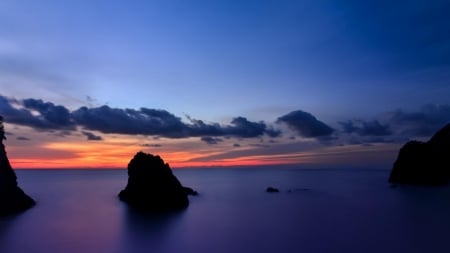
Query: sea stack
x=12, y=199
x=424, y=163
x=152, y=187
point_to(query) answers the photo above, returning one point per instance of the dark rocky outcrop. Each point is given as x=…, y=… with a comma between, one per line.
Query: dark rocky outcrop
x=190, y=191
x=272, y=189
x=426, y=163
x=12, y=199
x=152, y=186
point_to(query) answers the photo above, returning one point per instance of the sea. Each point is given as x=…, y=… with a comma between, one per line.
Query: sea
x=315, y=210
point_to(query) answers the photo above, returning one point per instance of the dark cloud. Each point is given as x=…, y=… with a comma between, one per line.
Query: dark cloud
x=365, y=128
x=211, y=140
x=21, y=138
x=236, y=145
x=38, y=114
x=239, y=127
x=162, y=123
x=42, y=115
x=92, y=137
x=306, y=124
x=56, y=116
x=20, y=116
x=243, y=128
x=129, y=121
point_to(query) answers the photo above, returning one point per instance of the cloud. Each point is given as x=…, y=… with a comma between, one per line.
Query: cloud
x=162, y=123
x=152, y=145
x=92, y=137
x=46, y=116
x=20, y=116
x=305, y=124
x=129, y=121
x=398, y=126
x=424, y=122
x=21, y=138
x=239, y=127
x=56, y=116
x=42, y=115
x=211, y=140
x=365, y=128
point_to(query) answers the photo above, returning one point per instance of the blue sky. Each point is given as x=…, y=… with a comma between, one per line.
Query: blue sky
x=340, y=61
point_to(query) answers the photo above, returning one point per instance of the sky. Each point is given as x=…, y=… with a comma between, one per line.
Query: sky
x=87, y=84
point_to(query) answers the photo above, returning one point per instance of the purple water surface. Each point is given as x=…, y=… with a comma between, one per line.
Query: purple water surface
x=327, y=211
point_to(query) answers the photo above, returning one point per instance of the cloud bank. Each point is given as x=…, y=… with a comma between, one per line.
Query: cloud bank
x=395, y=126
x=41, y=115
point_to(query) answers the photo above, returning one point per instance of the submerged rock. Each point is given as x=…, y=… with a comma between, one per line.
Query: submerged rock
x=152, y=186
x=12, y=199
x=426, y=163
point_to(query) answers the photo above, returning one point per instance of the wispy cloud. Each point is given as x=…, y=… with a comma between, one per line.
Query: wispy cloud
x=211, y=140
x=92, y=137
x=365, y=128
x=21, y=138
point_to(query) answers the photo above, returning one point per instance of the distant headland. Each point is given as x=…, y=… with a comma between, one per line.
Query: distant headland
x=425, y=163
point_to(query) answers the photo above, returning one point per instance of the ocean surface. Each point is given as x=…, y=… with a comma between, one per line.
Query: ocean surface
x=315, y=211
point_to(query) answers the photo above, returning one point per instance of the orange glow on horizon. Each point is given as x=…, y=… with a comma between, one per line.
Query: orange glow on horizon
x=117, y=153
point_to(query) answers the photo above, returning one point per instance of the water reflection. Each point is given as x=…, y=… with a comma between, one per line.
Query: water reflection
x=155, y=232
x=6, y=223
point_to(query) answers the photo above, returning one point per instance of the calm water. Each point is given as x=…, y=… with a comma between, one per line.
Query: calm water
x=342, y=211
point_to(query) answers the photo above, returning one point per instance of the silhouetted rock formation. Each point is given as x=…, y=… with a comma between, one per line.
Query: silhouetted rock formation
x=425, y=163
x=12, y=199
x=272, y=189
x=152, y=186
x=190, y=191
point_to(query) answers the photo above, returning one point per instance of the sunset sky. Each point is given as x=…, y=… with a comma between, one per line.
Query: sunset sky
x=87, y=84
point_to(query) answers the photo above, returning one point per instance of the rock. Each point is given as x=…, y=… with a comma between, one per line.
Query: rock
x=426, y=163
x=12, y=199
x=152, y=186
x=190, y=191
x=272, y=189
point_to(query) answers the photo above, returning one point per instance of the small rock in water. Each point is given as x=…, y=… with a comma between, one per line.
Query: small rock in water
x=272, y=189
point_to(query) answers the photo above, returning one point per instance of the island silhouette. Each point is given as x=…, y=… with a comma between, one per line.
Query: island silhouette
x=13, y=200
